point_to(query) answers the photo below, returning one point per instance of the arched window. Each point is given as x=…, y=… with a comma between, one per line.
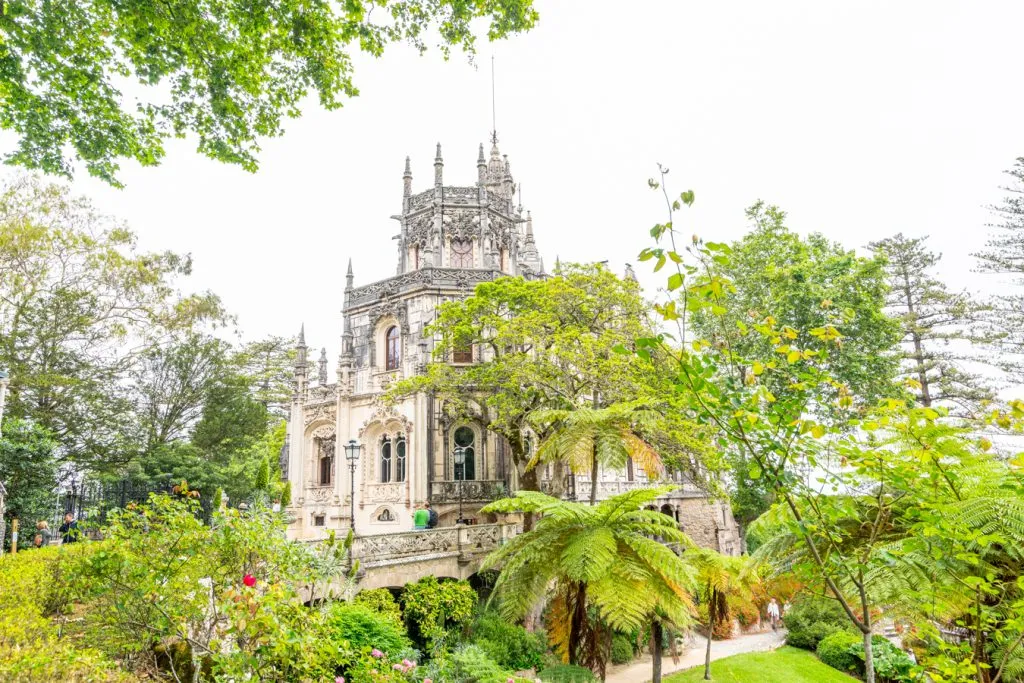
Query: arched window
x=392, y=339
x=462, y=254
x=325, y=453
x=385, y=459
x=466, y=439
x=400, y=458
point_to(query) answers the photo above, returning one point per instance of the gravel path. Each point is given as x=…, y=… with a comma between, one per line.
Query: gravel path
x=640, y=670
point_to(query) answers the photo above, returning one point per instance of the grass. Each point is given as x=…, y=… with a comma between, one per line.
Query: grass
x=785, y=665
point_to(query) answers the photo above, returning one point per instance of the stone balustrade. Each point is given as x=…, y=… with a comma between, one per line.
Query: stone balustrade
x=463, y=540
x=472, y=491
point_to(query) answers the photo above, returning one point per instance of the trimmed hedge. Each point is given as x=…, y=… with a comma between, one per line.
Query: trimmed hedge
x=838, y=651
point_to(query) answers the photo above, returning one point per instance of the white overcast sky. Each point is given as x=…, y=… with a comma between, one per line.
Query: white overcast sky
x=861, y=119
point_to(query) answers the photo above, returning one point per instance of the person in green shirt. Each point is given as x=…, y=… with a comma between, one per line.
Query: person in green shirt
x=420, y=519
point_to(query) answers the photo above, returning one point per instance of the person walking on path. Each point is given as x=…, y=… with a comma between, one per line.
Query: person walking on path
x=420, y=519
x=69, y=529
x=431, y=516
x=773, y=614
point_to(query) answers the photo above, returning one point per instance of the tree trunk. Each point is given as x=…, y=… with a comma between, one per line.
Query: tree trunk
x=593, y=476
x=528, y=481
x=869, y=659
x=711, y=630
x=577, y=621
x=656, y=651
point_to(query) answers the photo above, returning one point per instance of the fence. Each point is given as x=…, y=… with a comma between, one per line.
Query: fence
x=92, y=501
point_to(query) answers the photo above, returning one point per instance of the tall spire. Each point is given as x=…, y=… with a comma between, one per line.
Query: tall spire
x=302, y=335
x=481, y=167
x=407, y=179
x=322, y=375
x=438, y=166
x=494, y=108
x=349, y=276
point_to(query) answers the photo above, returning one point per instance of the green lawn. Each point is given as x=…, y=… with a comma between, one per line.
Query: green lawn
x=785, y=665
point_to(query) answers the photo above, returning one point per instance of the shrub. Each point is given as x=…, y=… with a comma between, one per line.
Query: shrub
x=838, y=651
x=622, y=649
x=365, y=629
x=891, y=663
x=381, y=601
x=812, y=619
x=567, y=673
x=510, y=645
x=437, y=612
x=469, y=664
x=845, y=651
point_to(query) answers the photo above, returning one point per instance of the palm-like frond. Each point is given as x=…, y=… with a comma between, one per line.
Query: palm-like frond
x=608, y=548
x=612, y=433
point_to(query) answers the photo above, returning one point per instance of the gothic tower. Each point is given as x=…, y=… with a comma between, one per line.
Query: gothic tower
x=476, y=227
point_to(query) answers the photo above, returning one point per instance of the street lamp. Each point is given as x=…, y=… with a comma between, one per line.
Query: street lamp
x=352, y=450
x=460, y=464
x=4, y=379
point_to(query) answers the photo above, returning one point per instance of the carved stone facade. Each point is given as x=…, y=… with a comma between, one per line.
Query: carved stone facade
x=451, y=238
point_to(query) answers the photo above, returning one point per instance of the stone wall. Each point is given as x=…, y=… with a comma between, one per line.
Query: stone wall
x=710, y=524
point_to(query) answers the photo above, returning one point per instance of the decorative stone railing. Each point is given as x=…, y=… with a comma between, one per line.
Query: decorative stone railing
x=472, y=491
x=433, y=277
x=465, y=540
x=607, y=489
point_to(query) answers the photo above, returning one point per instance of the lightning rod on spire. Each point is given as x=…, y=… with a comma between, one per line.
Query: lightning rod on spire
x=494, y=109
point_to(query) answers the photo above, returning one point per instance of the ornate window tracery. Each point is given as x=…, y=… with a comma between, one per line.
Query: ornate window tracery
x=462, y=254
x=385, y=459
x=392, y=341
x=400, y=457
x=325, y=455
x=465, y=438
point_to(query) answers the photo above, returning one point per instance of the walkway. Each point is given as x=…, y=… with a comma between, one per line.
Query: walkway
x=641, y=670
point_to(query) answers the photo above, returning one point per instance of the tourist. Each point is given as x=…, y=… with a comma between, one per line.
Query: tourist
x=69, y=529
x=432, y=516
x=773, y=614
x=43, y=532
x=420, y=518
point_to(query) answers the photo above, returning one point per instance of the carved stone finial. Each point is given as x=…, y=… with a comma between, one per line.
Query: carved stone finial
x=438, y=166
x=480, y=160
x=349, y=277
x=323, y=367
x=407, y=179
x=302, y=335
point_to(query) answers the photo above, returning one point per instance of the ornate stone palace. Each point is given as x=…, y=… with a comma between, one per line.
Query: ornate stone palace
x=450, y=239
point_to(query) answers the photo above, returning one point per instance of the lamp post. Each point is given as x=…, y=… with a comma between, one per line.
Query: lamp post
x=460, y=464
x=352, y=450
x=4, y=379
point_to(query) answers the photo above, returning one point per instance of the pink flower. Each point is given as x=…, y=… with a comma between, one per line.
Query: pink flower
x=428, y=680
x=511, y=680
x=398, y=667
x=377, y=653
x=249, y=580
x=339, y=679
x=409, y=664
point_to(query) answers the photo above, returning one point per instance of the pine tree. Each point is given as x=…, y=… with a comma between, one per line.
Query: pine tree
x=940, y=327
x=1004, y=255
x=1005, y=248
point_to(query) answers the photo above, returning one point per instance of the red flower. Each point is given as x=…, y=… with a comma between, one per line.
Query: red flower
x=249, y=580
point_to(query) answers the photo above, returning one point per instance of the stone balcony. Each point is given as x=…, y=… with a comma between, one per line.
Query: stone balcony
x=472, y=491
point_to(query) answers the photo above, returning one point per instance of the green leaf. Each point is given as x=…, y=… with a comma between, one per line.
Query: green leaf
x=754, y=472
x=675, y=282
